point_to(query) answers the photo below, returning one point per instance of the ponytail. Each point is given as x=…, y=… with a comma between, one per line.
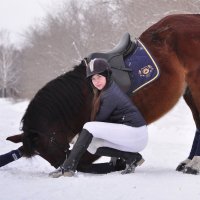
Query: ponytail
x=95, y=104
x=97, y=94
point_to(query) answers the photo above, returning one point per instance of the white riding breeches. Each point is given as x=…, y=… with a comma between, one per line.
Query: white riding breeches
x=116, y=136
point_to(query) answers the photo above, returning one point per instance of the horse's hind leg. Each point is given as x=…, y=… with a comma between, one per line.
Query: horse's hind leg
x=192, y=164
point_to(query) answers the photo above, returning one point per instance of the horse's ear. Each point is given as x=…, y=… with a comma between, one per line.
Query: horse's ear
x=15, y=138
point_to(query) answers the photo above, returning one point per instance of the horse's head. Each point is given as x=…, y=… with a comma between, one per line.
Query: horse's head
x=55, y=115
x=52, y=146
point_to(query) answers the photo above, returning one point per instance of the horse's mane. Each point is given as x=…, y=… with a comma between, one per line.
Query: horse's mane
x=60, y=100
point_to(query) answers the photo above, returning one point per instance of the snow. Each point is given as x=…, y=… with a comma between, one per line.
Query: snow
x=170, y=140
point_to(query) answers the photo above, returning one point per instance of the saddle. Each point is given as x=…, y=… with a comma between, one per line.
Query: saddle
x=115, y=58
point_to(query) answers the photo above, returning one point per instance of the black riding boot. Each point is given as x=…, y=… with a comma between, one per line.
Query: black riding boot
x=132, y=159
x=69, y=166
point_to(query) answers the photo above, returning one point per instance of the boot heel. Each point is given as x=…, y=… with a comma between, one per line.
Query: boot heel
x=140, y=162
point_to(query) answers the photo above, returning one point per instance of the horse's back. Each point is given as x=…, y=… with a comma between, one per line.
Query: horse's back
x=181, y=22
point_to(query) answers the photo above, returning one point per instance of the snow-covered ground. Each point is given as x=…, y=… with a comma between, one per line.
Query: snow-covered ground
x=170, y=140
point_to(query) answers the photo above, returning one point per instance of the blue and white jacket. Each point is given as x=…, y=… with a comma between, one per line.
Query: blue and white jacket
x=116, y=107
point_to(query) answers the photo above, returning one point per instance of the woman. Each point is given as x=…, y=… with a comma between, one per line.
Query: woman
x=115, y=122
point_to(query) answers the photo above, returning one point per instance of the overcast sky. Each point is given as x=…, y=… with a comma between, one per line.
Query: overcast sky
x=17, y=15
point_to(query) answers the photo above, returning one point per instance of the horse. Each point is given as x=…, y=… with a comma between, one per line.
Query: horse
x=59, y=110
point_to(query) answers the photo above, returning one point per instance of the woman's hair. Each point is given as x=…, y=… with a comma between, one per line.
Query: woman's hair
x=97, y=94
x=102, y=67
x=95, y=103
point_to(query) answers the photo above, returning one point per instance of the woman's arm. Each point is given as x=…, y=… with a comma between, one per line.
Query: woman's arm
x=107, y=106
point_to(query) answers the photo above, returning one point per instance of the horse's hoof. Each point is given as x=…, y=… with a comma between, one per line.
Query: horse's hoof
x=189, y=170
x=181, y=167
x=69, y=173
x=61, y=172
x=57, y=173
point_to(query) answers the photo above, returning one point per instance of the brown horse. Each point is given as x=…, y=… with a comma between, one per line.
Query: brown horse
x=59, y=110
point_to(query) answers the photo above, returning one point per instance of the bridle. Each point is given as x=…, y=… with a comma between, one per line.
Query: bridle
x=51, y=141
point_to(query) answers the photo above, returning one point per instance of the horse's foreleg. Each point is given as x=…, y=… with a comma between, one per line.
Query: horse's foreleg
x=10, y=157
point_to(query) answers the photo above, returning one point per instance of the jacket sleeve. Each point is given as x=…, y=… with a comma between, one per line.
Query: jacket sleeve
x=107, y=106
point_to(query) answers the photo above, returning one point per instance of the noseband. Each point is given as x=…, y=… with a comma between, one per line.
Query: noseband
x=52, y=142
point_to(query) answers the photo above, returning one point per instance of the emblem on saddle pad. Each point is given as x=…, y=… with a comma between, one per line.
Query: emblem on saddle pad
x=146, y=71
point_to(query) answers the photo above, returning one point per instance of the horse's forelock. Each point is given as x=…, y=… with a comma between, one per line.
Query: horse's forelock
x=29, y=144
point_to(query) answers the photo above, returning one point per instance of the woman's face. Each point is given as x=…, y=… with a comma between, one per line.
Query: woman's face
x=99, y=81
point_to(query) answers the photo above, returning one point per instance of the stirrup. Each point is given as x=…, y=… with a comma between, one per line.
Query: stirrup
x=130, y=168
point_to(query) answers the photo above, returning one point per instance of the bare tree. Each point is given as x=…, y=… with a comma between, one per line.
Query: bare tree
x=136, y=16
x=9, y=69
x=82, y=27
x=65, y=38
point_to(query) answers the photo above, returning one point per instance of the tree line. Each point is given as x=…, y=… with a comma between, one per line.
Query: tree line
x=66, y=36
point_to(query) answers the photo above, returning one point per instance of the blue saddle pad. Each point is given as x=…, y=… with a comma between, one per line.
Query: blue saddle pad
x=143, y=67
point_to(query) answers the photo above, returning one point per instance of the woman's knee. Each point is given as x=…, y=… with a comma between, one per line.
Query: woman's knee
x=88, y=126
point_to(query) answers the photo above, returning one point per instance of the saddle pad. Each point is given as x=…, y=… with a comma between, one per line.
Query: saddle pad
x=143, y=67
